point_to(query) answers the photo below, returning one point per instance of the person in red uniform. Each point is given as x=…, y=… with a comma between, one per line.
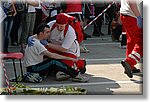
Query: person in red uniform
x=131, y=18
x=75, y=9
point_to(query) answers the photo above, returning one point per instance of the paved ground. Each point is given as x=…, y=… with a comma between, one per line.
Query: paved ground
x=103, y=68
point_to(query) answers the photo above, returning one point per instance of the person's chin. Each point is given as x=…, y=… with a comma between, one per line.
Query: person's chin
x=60, y=30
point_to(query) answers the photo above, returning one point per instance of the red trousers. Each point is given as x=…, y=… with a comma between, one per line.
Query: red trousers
x=134, y=35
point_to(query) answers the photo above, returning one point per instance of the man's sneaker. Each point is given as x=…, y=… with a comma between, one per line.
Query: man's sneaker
x=61, y=76
x=80, y=78
x=128, y=69
x=32, y=77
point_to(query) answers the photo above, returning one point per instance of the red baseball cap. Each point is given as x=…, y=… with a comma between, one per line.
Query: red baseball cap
x=62, y=18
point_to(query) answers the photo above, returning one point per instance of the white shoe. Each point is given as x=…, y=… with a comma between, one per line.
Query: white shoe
x=80, y=78
x=61, y=76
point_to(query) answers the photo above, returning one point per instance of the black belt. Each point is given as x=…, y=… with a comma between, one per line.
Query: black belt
x=124, y=14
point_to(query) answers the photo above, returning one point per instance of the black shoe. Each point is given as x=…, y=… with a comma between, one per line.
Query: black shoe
x=87, y=35
x=96, y=35
x=135, y=70
x=14, y=44
x=127, y=68
x=102, y=34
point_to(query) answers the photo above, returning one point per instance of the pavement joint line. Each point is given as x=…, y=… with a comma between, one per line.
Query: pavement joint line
x=104, y=59
x=98, y=38
x=87, y=84
x=92, y=44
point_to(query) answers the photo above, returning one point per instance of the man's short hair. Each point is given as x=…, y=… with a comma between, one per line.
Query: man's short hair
x=41, y=28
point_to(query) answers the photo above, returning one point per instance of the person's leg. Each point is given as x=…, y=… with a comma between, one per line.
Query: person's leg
x=24, y=32
x=51, y=63
x=67, y=62
x=124, y=40
x=28, y=21
x=78, y=66
x=109, y=24
x=111, y=15
x=14, y=30
x=32, y=23
x=123, y=45
x=134, y=50
x=134, y=41
x=98, y=22
x=8, y=26
x=5, y=23
x=118, y=31
x=38, y=19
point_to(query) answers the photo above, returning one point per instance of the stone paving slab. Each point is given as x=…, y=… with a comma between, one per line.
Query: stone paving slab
x=103, y=68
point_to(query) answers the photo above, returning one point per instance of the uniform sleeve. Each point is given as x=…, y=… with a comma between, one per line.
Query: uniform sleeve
x=69, y=38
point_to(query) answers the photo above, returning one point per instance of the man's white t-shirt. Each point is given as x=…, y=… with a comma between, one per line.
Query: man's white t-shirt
x=126, y=10
x=33, y=54
x=67, y=41
x=31, y=8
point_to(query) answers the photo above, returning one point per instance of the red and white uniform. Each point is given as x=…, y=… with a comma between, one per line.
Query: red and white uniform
x=134, y=34
x=73, y=7
x=67, y=41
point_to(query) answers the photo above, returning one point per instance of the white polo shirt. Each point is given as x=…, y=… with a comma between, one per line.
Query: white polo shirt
x=33, y=54
x=68, y=41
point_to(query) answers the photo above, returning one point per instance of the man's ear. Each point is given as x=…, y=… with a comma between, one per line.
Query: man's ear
x=41, y=33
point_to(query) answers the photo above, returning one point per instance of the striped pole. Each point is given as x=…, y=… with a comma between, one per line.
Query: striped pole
x=6, y=77
x=99, y=15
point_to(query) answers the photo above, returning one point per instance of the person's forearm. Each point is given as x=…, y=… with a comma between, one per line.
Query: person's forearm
x=56, y=47
x=14, y=9
x=33, y=3
x=57, y=56
x=134, y=8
